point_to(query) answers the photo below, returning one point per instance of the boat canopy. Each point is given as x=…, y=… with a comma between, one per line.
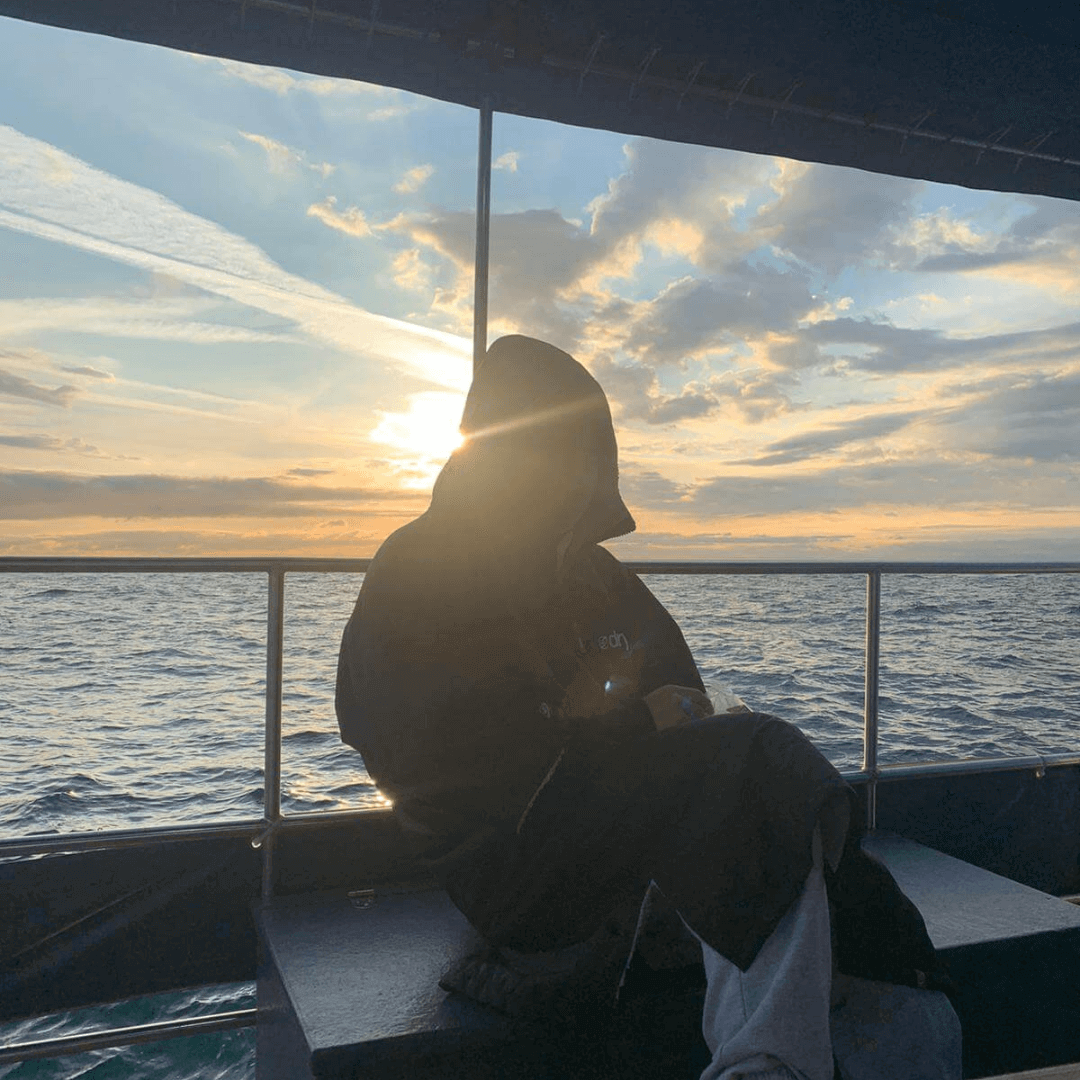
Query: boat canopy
x=983, y=93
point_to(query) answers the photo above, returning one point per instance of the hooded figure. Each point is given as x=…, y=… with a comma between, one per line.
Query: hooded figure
x=493, y=634
x=506, y=680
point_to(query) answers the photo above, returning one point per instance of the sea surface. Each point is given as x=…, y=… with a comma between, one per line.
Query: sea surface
x=134, y=700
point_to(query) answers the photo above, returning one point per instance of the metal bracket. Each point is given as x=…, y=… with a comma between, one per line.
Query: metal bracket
x=911, y=130
x=997, y=137
x=1029, y=151
x=371, y=24
x=785, y=99
x=691, y=79
x=600, y=39
x=738, y=94
x=649, y=57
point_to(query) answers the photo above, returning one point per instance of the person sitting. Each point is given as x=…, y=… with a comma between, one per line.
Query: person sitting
x=541, y=727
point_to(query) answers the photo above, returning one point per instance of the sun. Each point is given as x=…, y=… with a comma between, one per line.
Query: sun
x=427, y=432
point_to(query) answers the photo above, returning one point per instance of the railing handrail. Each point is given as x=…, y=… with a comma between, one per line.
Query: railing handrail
x=300, y=564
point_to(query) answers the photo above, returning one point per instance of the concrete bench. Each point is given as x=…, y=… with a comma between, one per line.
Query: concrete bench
x=348, y=986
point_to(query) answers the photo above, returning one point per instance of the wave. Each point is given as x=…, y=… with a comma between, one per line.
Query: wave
x=162, y=697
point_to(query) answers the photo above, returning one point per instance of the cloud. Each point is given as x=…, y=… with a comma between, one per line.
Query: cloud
x=650, y=488
x=936, y=542
x=560, y=279
x=885, y=349
x=90, y=372
x=150, y=317
x=1031, y=418
x=546, y=279
x=508, y=162
x=909, y=485
x=282, y=157
x=551, y=276
x=940, y=233
x=414, y=179
x=283, y=82
x=410, y=270
x=102, y=387
x=537, y=260
x=830, y=309
x=829, y=217
x=390, y=112
x=30, y=495
x=756, y=395
x=12, y=385
x=352, y=221
x=308, y=472
x=47, y=442
x=826, y=440
x=356, y=536
x=636, y=391
x=693, y=316
x=1046, y=232
x=668, y=183
x=563, y=281
x=90, y=210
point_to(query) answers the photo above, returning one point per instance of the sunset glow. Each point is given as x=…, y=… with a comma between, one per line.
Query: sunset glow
x=428, y=431
x=240, y=322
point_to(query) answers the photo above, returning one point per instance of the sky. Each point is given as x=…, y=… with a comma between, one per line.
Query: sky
x=236, y=318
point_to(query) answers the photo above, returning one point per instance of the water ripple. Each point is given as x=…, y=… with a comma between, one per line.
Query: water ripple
x=160, y=697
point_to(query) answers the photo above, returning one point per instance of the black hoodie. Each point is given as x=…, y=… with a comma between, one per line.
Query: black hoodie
x=493, y=632
x=493, y=639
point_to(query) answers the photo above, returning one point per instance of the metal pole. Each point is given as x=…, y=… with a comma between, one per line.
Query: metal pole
x=483, y=235
x=127, y=1036
x=870, y=699
x=275, y=635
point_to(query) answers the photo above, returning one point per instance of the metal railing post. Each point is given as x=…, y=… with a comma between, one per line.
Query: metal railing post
x=870, y=694
x=275, y=636
x=483, y=235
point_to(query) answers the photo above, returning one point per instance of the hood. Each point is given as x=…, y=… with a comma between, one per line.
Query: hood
x=539, y=462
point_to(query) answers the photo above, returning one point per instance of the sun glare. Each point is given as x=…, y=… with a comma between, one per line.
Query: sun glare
x=428, y=431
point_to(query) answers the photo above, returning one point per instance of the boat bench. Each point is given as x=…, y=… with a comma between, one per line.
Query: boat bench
x=348, y=986
x=1013, y=952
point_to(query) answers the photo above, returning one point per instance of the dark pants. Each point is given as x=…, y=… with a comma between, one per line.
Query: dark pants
x=719, y=813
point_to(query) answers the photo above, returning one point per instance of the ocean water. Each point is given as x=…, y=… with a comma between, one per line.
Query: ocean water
x=131, y=700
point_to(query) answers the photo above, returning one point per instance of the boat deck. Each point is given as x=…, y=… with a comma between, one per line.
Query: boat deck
x=348, y=985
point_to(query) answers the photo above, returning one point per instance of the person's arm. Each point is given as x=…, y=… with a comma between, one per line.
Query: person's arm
x=674, y=705
x=668, y=659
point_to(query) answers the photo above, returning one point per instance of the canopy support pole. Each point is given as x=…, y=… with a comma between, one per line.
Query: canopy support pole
x=872, y=692
x=483, y=233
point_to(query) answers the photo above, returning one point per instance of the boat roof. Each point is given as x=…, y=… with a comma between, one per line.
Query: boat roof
x=981, y=93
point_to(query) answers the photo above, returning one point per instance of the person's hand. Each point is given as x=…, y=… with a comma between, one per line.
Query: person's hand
x=671, y=705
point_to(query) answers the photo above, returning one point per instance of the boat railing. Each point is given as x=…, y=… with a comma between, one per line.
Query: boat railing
x=262, y=831
x=276, y=568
